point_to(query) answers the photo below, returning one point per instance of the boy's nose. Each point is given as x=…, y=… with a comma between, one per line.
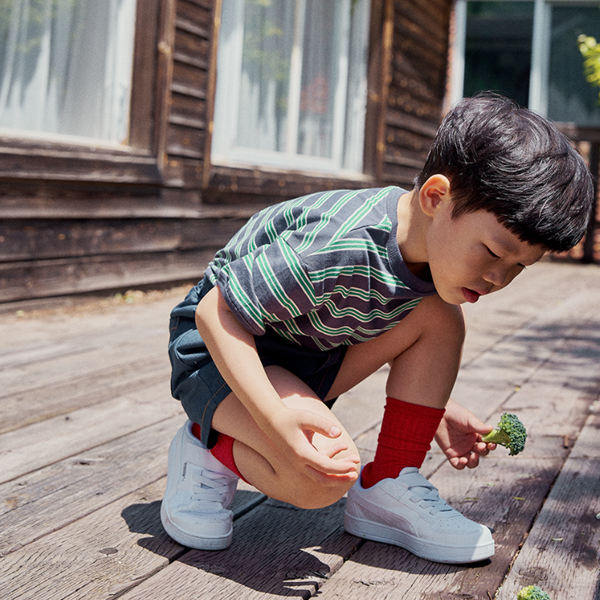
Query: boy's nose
x=497, y=277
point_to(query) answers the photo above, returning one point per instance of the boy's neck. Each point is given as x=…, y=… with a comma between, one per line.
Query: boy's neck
x=412, y=227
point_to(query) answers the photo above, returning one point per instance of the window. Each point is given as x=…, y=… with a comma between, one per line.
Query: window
x=66, y=68
x=528, y=50
x=292, y=84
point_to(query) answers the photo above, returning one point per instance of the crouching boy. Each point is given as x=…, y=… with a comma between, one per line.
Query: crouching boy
x=315, y=294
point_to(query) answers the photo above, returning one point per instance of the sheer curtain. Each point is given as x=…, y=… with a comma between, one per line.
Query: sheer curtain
x=291, y=84
x=65, y=67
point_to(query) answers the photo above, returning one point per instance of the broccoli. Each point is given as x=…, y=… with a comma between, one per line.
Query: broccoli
x=510, y=432
x=532, y=592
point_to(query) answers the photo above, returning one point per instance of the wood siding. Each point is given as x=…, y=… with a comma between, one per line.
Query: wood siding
x=75, y=219
x=417, y=85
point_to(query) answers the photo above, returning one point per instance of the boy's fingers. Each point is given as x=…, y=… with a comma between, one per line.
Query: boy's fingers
x=334, y=449
x=324, y=462
x=321, y=425
x=330, y=479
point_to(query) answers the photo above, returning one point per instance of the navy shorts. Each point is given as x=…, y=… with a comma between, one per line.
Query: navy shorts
x=197, y=383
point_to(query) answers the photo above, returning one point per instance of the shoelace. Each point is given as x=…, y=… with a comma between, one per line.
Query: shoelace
x=428, y=498
x=209, y=488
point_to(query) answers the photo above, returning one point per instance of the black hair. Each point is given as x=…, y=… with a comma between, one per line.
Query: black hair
x=515, y=164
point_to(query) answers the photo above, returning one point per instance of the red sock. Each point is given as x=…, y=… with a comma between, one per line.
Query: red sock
x=406, y=433
x=222, y=450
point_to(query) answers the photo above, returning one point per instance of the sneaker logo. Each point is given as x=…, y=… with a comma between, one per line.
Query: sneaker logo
x=184, y=470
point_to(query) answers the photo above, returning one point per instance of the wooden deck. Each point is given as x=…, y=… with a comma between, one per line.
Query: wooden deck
x=86, y=419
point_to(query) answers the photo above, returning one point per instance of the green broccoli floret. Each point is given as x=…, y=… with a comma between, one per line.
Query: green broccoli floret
x=532, y=592
x=510, y=433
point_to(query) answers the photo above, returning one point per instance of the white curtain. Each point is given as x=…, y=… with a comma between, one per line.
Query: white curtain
x=65, y=67
x=291, y=84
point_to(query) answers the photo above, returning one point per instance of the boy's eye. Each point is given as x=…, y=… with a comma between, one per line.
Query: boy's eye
x=491, y=253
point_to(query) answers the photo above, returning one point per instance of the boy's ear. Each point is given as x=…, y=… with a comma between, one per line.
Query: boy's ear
x=433, y=192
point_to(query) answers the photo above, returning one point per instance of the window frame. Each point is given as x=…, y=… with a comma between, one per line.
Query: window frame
x=247, y=157
x=540, y=53
x=218, y=181
x=28, y=155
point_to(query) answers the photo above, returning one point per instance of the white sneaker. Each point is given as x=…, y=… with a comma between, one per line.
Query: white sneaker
x=195, y=510
x=408, y=512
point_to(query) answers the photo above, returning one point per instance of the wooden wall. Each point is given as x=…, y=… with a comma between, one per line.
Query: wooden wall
x=417, y=85
x=76, y=220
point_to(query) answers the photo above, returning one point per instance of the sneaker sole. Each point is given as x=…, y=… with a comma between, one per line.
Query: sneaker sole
x=193, y=541
x=429, y=551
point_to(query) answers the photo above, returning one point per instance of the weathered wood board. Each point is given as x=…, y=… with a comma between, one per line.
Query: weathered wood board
x=560, y=554
x=79, y=502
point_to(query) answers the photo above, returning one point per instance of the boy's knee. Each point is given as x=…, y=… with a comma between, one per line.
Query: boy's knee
x=313, y=495
x=442, y=319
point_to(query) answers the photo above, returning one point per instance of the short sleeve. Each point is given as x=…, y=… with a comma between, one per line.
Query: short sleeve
x=268, y=285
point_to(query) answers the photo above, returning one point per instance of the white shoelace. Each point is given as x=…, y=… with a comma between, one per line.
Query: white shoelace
x=427, y=497
x=209, y=489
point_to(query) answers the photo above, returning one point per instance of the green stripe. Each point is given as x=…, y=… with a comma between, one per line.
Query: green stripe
x=366, y=318
x=292, y=260
x=275, y=286
x=354, y=244
x=325, y=218
x=359, y=214
x=364, y=295
x=360, y=270
x=244, y=300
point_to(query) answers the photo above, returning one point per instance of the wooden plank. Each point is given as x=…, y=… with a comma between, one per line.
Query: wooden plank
x=82, y=326
x=505, y=493
x=189, y=80
x=51, y=498
x=96, y=204
x=421, y=22
x=96, y=557
x=560, y=554
x=22, y=240
x=499, y=373
x=39, y=444
x=49, y=360
x=270, y=186
x=26, y=407
x=381, y=31
x=63, y=492
x=82, y=165
x=292, y=552
x=186, y=106
x=143, y=111
x=99, y=556
x=190, y=44
x=185, y=141
x=194, y=13
x=55, y=277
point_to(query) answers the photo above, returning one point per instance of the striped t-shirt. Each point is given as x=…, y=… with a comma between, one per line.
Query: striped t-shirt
x=322, y=270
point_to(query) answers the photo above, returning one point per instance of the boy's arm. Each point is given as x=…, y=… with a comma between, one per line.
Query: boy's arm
x=459, y=436
x=234, y=353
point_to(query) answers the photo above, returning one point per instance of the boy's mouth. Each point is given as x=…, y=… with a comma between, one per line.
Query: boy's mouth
x=470, y=295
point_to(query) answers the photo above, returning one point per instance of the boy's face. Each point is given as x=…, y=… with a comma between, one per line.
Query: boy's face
x=474, y=254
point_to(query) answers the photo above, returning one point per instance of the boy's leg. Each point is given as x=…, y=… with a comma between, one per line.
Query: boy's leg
x=396, y=504
x=201, y=483
x=261, y=463
x=424, y=352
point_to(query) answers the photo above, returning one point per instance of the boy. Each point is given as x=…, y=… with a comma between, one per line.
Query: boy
x=315, y=294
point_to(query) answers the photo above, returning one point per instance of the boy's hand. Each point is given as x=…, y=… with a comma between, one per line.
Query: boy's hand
x=459, y=436
x=297, y=434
